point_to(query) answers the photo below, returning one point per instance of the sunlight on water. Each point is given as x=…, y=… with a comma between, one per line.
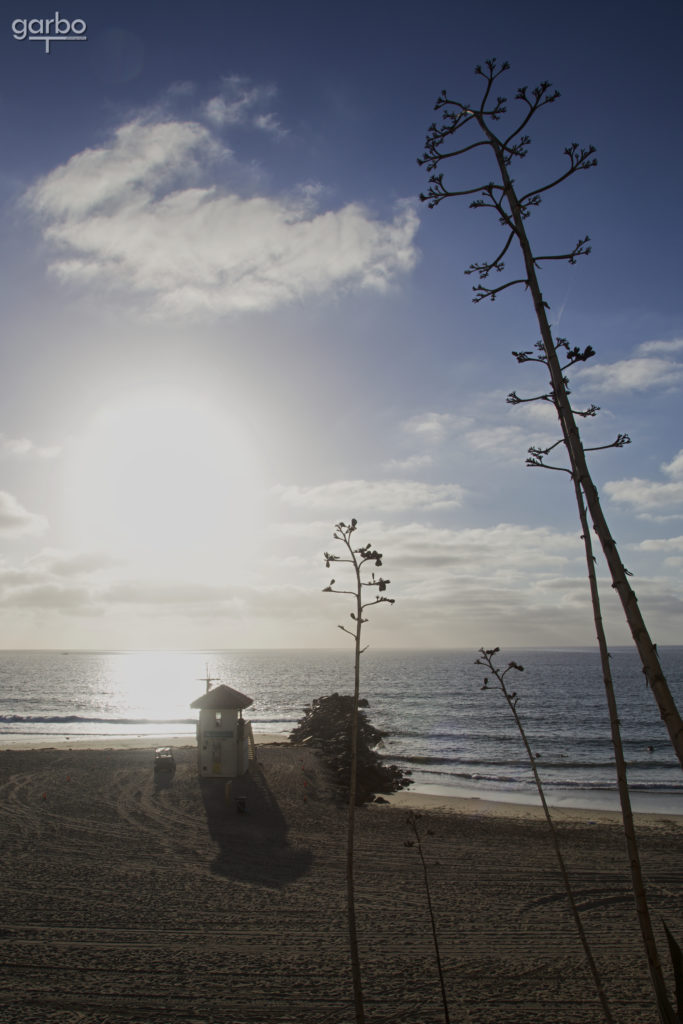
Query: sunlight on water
x=158, y=685
x=439, y=723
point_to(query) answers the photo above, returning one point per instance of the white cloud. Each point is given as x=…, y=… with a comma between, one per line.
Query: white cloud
x=132, y=214
x=434, y=427
x=669, y=547
x=221, y=112
x=164, y=593
x=424, y=554
x=645, y=494
x=236, y=103
x=500, y=550
x=537, y=413
x=384, y=496
x=21, y=446
x=409, y=464
x=631, y=374
x=675, y=467
x=662, y=544
x=506, y=584
x=48, y=595
x=269, y=123
x=55, y=562
x=183, y=88
x=506, y=441
x=15, y=520
x=141, y=158
x=660, y=346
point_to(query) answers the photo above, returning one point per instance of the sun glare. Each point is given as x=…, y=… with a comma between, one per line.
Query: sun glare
x=163, y=479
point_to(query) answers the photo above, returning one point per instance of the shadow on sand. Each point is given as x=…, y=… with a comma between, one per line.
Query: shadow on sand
x=163, y=780
x=251, y=832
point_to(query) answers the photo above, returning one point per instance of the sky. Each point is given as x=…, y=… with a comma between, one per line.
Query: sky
x=229, y=323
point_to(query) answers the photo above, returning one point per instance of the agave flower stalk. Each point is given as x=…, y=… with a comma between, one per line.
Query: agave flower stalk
x=358, y=558
x=512, y=700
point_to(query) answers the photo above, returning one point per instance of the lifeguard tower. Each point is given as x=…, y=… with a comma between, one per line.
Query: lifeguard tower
x=225, y=741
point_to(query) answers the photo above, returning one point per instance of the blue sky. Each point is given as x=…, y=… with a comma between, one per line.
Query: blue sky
x=228, y=322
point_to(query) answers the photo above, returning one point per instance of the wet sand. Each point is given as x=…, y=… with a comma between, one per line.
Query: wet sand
x=130, y=902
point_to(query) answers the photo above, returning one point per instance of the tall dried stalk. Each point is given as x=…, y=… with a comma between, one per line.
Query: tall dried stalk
x=357, y=558
x=666, y=1011
x=413, y=823
x=513, y=209
x=537, y=457
x=512, y=699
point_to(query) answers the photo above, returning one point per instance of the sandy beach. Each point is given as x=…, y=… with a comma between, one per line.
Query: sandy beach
x=126, y=902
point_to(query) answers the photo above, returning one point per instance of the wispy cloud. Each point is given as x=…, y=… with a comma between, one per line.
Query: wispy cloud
x=453, y=585
x=674, y=469
x=434, y=427
x=54, y=596
x=381, y=497
x=670, y=547
x=138, y=213
x=662, y=544
x=409, y=464
x=239, y=101
x=56, y=562
x=667, y=347
x=648, y=495
x=421, y=553
x=537, y=413
x=22, y=446
x=645, y=494
x=504, y=440
x=634, y=374
x=15, y=520
x=499, y=551
x=164, y=593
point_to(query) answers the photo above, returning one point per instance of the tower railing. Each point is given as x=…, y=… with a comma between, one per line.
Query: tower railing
x=251, y=746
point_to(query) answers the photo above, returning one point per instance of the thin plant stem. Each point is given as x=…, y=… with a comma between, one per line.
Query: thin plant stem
x=412, y=821
x=667, y=1014
x=350, y=835
x=487, y=661
x=357, y=558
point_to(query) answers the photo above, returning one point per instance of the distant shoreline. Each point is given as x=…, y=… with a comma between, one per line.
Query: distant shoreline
x=60, y=741
x=579, y=806
x=237, y=650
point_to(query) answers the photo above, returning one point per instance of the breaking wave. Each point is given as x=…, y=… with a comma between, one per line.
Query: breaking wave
x=72, y=719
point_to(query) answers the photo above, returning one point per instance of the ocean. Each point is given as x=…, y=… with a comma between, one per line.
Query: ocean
x=453, y=736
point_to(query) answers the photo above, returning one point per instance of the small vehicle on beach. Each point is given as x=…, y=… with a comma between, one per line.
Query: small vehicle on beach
x=164, y=761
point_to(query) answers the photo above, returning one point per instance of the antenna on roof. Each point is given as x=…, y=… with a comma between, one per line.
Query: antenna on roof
x=208, y=679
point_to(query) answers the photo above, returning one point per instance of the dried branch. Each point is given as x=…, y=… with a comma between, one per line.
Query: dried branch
x=580, y=160
x=484, y=269
x=621, y=440
x=580, y=249
x=514, y=399
x=490, y=293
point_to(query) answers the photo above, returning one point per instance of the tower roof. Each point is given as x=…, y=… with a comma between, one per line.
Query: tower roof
x=222, y=697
